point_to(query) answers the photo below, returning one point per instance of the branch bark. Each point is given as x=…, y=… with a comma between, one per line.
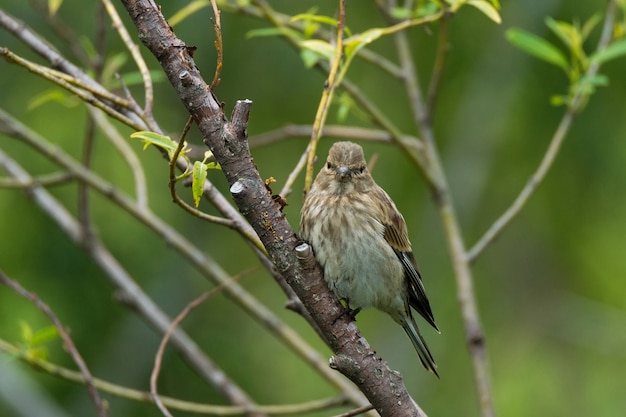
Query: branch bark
x=228, y=142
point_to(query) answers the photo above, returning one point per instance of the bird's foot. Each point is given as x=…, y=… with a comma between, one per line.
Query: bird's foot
x=347, y=311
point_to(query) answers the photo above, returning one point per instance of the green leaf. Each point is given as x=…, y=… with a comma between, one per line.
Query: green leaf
x=589, y=25
x=309, y=58
x=54, y=6
x=487, y=9
x=199, y=177
x=55, y=96
x=537, y=47
x=400, y=13
x=152, y=138
x=613, y=51
x=356, y=42
x=315, y=18
x=26, y=332
x=321, y=48
x=558, y=100
x=44, y=335
x=568, y=33
x=113, y=65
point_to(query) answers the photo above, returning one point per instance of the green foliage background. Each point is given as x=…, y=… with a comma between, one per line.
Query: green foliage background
x=552, y=289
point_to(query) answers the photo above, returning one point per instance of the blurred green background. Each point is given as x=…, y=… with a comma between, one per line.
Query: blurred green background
x=551, y=289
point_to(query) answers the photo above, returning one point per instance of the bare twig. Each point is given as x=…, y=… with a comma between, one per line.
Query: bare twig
x=84, y=91
x=172, y=403
x=438, y=66
x=219, y=45
x=356, y=411
x=133, y=48
x=337, y=131
x=158, y=358
x=48, y=180
x=126, y=153
x=68, y=344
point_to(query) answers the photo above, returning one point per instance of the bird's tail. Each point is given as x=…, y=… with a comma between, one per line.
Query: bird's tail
x=409, y=326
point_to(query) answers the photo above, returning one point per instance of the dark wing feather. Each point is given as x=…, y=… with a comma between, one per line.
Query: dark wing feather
x=396, y=235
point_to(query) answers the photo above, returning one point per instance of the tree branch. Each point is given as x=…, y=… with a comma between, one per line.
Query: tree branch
x=228, y=142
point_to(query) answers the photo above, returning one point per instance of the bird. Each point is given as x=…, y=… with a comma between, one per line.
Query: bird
x=361, y=241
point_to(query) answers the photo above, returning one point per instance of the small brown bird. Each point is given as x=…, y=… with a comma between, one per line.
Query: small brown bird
x=360, y=239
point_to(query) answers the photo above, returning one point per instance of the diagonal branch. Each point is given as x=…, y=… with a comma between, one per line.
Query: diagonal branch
x=228, y=142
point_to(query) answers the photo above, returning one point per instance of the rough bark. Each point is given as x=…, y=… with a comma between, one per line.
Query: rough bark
x=228, y=142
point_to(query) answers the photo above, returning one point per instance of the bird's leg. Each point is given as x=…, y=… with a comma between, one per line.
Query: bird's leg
x=348, y=311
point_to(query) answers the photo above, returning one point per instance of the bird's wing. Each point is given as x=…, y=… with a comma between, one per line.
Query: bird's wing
x=396, y=235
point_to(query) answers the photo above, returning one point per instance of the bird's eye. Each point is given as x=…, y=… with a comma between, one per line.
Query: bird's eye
x=361, y=169
x=329, y=165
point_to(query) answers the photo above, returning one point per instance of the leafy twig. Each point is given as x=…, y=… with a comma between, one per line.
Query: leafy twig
x=554, y=147
x=333, y=79
x=68, y=344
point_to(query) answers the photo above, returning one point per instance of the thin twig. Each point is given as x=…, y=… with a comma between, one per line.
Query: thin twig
x=327, y=96
x=84, y=91
x=438, y=66
x=219, y=46
x=158, y=358
x=355, y=412
x=47, y=180
x=68, y=344
x=336, y=131
x=126, y=152
x=133, y=48
x=172, y=403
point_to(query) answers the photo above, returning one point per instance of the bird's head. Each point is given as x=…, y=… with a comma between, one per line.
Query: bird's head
x=345, y=169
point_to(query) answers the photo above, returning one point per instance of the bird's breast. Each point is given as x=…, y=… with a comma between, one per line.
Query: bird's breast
x=359, y=265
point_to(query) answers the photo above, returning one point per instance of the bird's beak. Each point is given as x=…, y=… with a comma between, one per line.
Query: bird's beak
x=342, y=173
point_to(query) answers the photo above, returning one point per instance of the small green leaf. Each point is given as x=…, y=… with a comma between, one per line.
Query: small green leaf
x=322, y=48
x=152, y=138
x=558, y=100
x=614, y=50
x=589, y=25
x=400, y=13
x=199, y=177
x=315, y=18
x=487, y=9
x=44, y=335
x=40, y=352
x=54, y=6
x=356, y=42
x=568, y=33
x=309, y=58
x=26, y=332
x=537, y=47
x=53, y=95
